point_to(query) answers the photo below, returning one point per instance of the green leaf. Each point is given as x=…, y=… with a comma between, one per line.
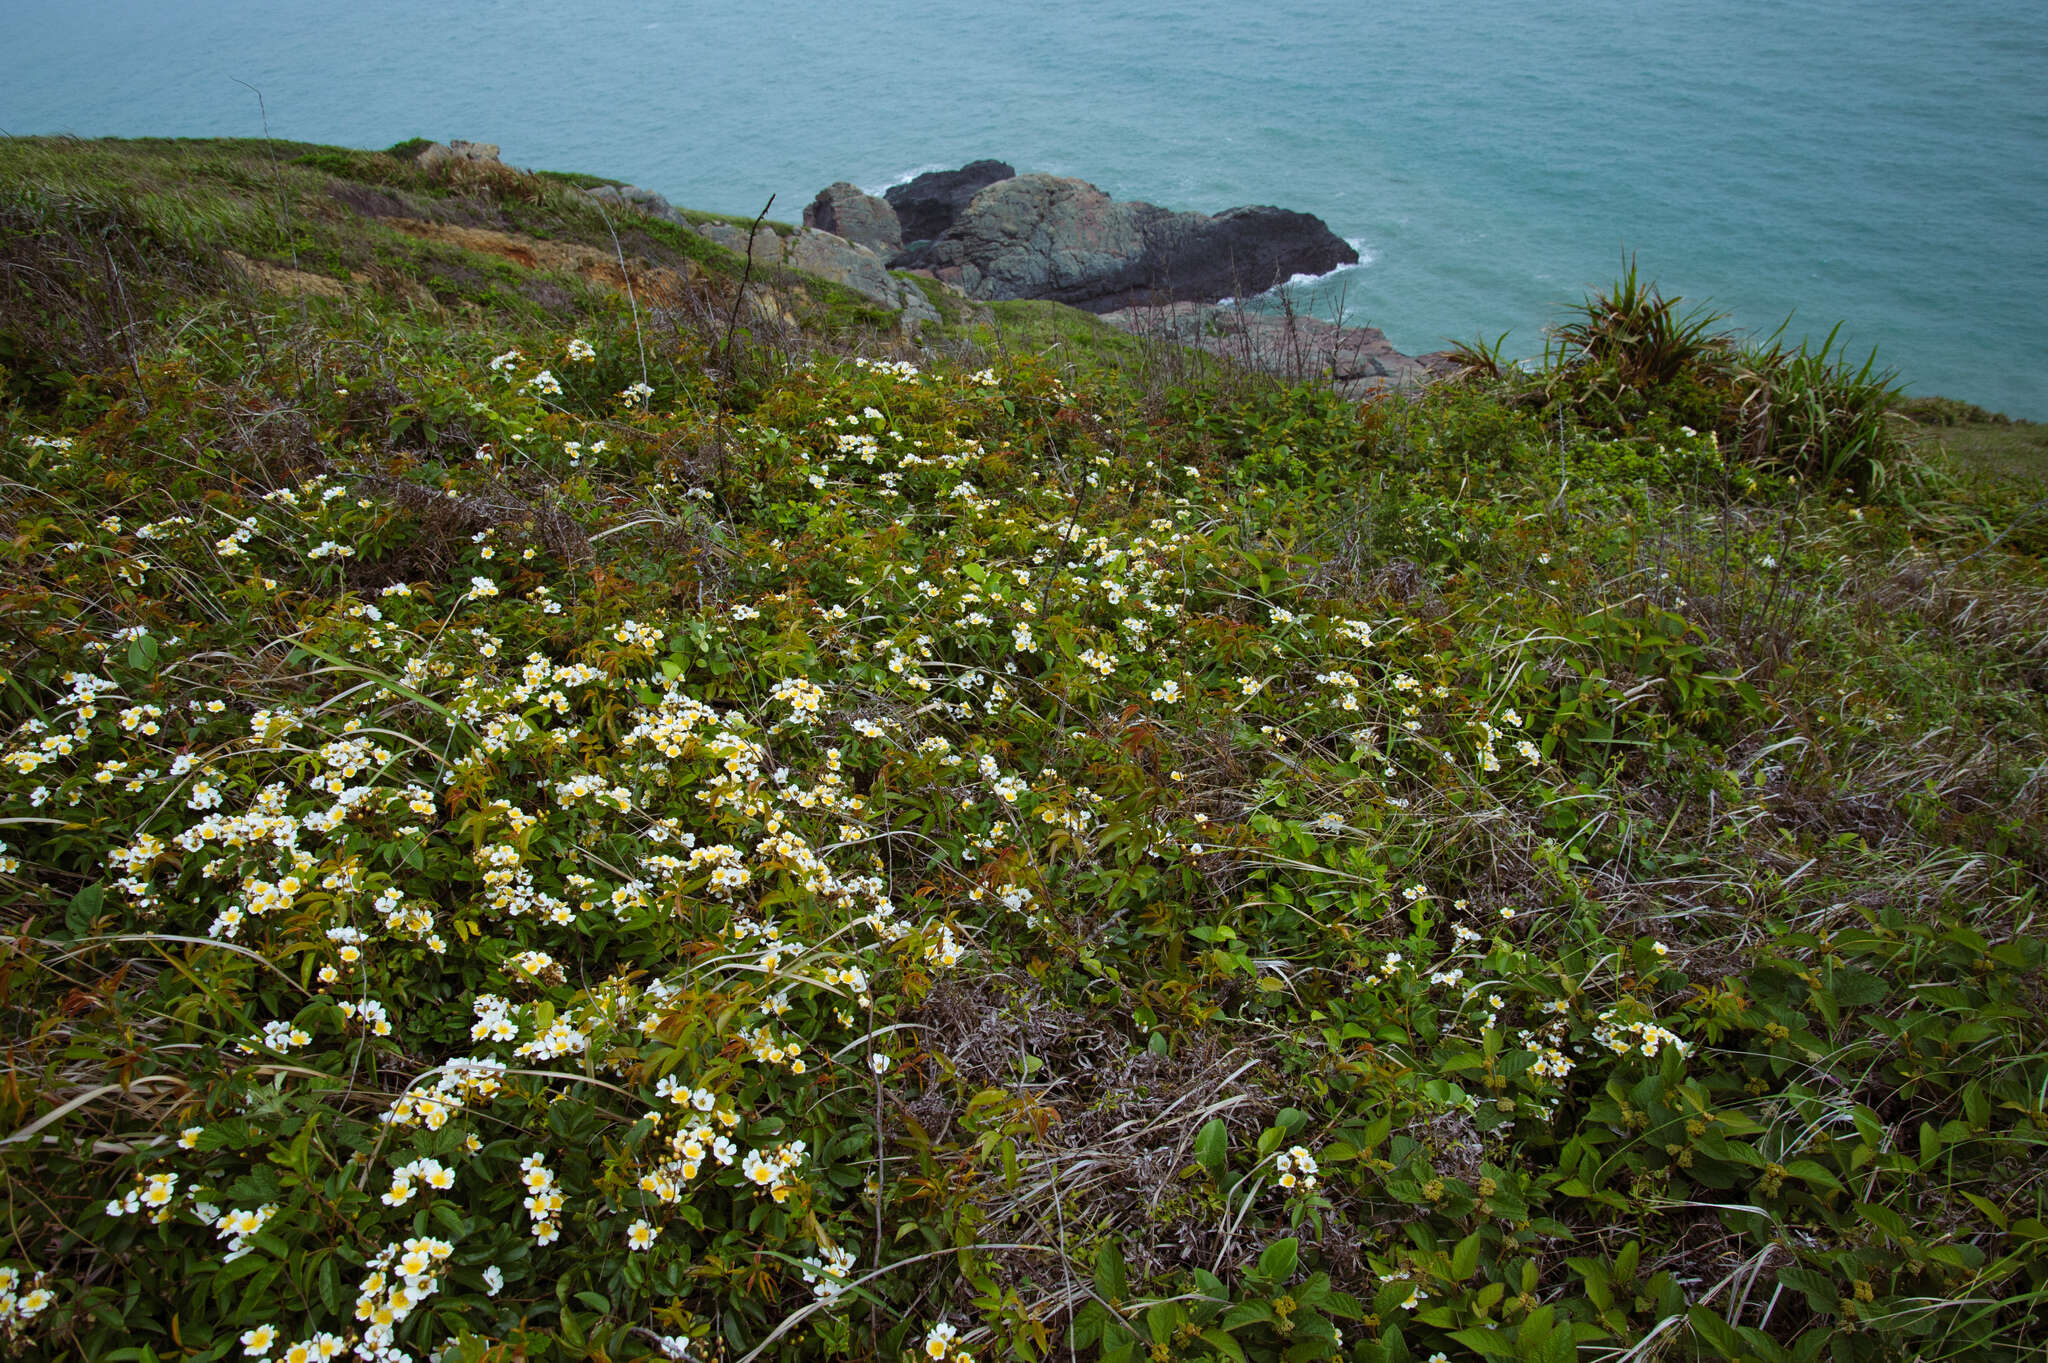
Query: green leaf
x=1465, y=1260
x=1088, y=1324
x=1212, y=1148
x=84, y=907
x=1811, y=1172
x=1487, y=1343
x=1819, y=1289
x=1858, y=988
x=1277, y=1263
x=1715, y=1333
x=1247, y=1313
x=1110, y=1280
x=329, y=1279
x=1885, y=1219
x=1986, y=1206
x=1343, y=1306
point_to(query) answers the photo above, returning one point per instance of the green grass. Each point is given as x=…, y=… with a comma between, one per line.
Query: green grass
x=1522, y=869
x=579, y=180
x=2014, y=450
x=1038, y=327
x=781, y=229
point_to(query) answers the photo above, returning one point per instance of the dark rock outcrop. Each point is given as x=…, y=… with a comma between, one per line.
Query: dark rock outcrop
x=1046, y=236
x=846, y=211
x=929, y=204
x=1245, y=251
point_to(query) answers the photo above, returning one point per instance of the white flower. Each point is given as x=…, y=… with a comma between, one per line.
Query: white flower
x=879, y=1063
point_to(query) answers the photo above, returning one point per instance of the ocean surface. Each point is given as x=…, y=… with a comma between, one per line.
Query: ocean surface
x=1882, y=165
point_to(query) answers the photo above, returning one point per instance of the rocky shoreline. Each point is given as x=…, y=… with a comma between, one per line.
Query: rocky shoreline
x=990, y=234
x=993, y=234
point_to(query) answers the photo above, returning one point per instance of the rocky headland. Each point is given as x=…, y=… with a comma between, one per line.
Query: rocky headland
x=995, y=234
x=988, y=233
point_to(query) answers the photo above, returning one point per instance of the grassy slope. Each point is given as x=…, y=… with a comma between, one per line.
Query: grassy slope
x=1611, y=865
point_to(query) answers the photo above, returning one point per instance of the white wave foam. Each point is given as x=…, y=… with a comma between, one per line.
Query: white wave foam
x=903, y=179
x=1366, y=256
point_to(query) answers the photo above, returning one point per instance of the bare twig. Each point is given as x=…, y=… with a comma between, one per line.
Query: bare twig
x=746, y=278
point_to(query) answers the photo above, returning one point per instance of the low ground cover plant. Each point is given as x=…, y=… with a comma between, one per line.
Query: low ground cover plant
x=546, y=831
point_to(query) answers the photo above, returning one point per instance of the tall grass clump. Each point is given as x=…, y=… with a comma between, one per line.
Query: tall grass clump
x=1633, y=361
x=1813, y=412
x=1637, y=337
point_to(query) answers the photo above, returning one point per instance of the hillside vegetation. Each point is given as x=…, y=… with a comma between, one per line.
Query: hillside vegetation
x=551, y=819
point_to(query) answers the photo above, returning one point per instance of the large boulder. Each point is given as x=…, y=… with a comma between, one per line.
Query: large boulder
x=928, y=205
x=830, y=256
x=845, y=210
x=766, y=243
x=638, y=200
x=833, y=257
x=1046, y=236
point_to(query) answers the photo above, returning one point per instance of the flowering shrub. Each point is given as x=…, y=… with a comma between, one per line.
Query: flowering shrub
x=966, y=867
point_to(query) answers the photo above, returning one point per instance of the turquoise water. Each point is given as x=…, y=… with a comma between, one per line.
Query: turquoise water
x=1877, y=164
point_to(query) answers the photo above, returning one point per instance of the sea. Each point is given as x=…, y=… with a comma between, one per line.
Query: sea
x=1792, y=164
